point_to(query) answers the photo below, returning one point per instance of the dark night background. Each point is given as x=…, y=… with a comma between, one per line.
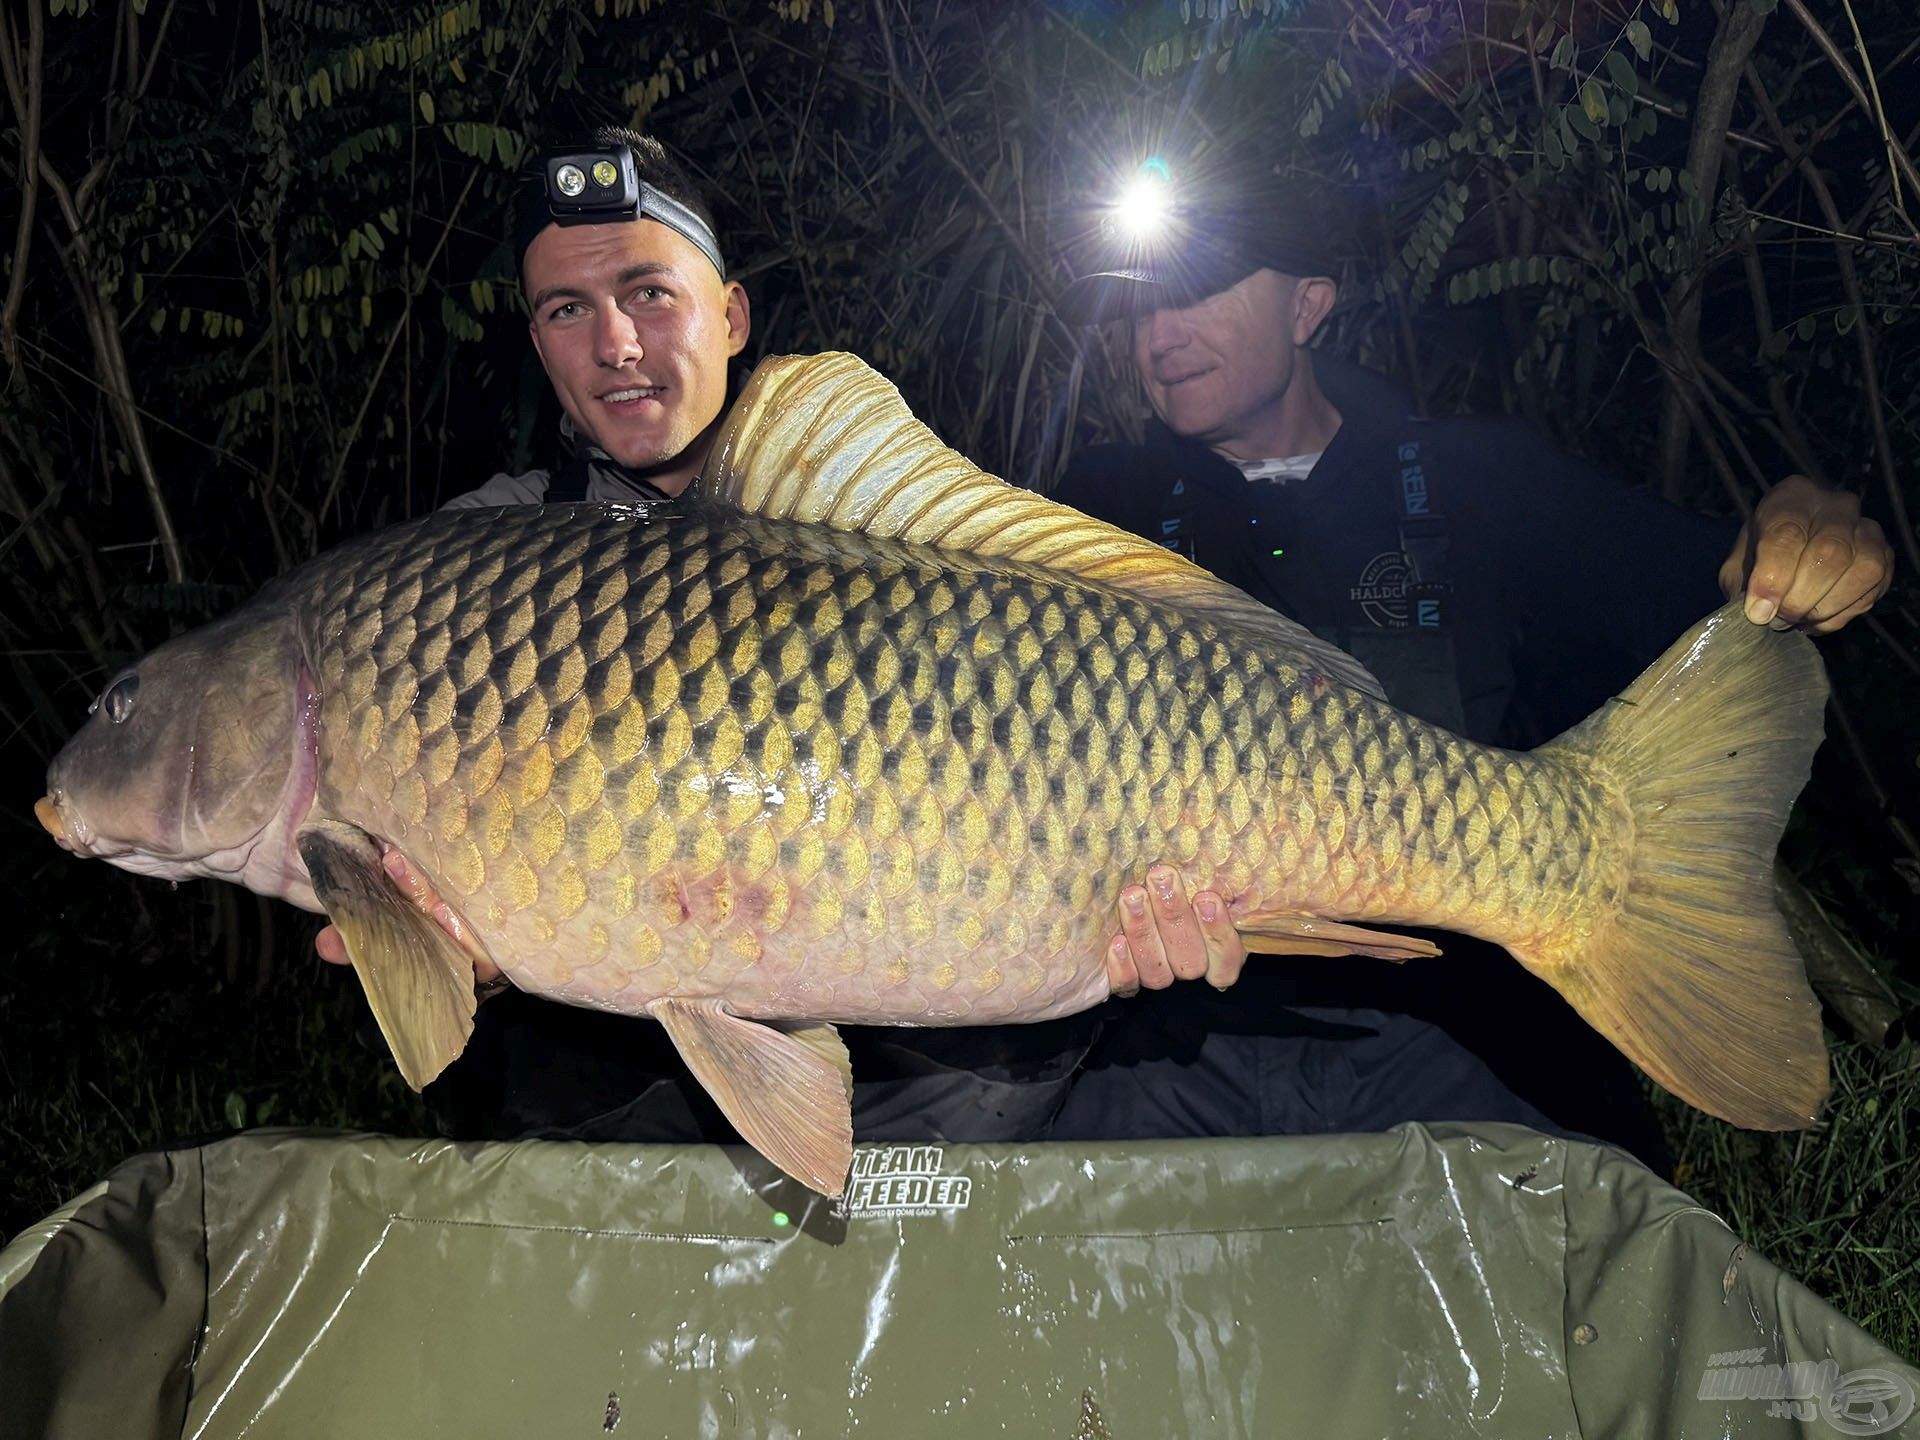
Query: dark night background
x=259, y=296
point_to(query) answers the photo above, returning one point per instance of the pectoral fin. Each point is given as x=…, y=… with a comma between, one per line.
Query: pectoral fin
x=787, y=1089
x=1282, y=932
x=418, y=981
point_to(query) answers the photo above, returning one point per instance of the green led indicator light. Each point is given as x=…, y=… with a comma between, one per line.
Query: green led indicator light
x=1279, y=552
x=780, y=1220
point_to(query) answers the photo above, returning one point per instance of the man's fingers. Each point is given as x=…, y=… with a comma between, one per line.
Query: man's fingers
x=1226, y=952
x=408, y=879
x=1777, y=547
x=1180, y=937
x=1143, y=938
x=329, y=946
x=1167, y=937
x=1824, y=561
x=1867, y=576
x=1808, y=559
x=1122, y=977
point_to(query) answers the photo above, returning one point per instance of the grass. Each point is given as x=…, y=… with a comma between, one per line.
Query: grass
x=1834, y=1206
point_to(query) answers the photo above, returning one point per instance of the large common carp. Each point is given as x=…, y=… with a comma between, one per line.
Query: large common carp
x=883, y=745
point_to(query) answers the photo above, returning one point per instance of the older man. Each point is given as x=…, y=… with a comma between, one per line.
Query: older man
x=1494, y=585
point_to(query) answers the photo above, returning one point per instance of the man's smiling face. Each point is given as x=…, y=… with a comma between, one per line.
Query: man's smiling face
x=635, y=328
x=1216, y=371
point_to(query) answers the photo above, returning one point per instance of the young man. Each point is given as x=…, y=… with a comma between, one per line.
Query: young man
x=635, y=323
x=1493, y=584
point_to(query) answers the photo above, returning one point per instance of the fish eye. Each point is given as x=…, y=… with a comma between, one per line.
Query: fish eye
x=118, y=700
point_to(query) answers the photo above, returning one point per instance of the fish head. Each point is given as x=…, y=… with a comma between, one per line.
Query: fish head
x=193, y=757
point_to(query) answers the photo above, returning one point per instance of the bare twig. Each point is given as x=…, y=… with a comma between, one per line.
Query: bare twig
x=23, y=81
x=936, y=136
x=1899, y=652
x=1839, y=973
x=1881, y=799
x=276, y=324
x=1739, y=31
x=116, y=381
x=1862, y=331
x=400, y=326
x=1897, y=154
x=1792, y=434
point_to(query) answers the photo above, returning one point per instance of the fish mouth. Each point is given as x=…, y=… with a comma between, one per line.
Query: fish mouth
x=69, y=829
x=47, y=811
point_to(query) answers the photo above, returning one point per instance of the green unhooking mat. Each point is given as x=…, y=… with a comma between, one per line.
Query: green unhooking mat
x=1425, y=1282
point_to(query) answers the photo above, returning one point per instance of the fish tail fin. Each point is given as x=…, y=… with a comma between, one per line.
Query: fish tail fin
x=1691, y=971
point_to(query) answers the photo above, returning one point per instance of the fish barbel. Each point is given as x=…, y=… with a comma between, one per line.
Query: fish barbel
x=755, y=774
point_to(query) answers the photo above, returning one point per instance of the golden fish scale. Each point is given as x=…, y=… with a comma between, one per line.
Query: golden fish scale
x=843, y=778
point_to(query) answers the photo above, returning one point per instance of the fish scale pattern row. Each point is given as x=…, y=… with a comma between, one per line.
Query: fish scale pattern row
x=835, y=776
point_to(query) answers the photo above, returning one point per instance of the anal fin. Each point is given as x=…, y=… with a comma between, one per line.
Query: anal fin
x=787, y=1088
x=1288, y=932
x=419, y=982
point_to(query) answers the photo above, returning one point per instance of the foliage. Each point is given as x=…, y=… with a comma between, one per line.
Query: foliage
x=261, y=295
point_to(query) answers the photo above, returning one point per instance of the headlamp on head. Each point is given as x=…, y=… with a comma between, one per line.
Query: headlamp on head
x=1146, y=205
x=600, y=187
x=1173, y=243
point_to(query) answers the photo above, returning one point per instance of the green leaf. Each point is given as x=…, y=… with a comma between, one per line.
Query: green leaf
x=1641, y=38
x=1593, y=102
x=1564, y=53
x=235, y=1109
x=426, y=106
x=1620, y=71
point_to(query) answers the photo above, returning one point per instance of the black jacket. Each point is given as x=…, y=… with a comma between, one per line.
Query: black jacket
x=1559, y=584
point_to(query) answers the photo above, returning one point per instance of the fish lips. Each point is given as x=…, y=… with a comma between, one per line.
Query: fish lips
x=47, y=811
x=70, y=831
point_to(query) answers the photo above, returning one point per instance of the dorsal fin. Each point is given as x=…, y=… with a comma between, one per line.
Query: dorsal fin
x=827, y=438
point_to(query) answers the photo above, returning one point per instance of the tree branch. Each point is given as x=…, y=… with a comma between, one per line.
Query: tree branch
x=1896, y=153
x=1042, y=276
x=1733, y=42
x=104, y=329
x=23, y=79
x=1862, y=330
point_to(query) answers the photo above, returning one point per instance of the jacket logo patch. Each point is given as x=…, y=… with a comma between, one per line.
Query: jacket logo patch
x=1382, y=591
